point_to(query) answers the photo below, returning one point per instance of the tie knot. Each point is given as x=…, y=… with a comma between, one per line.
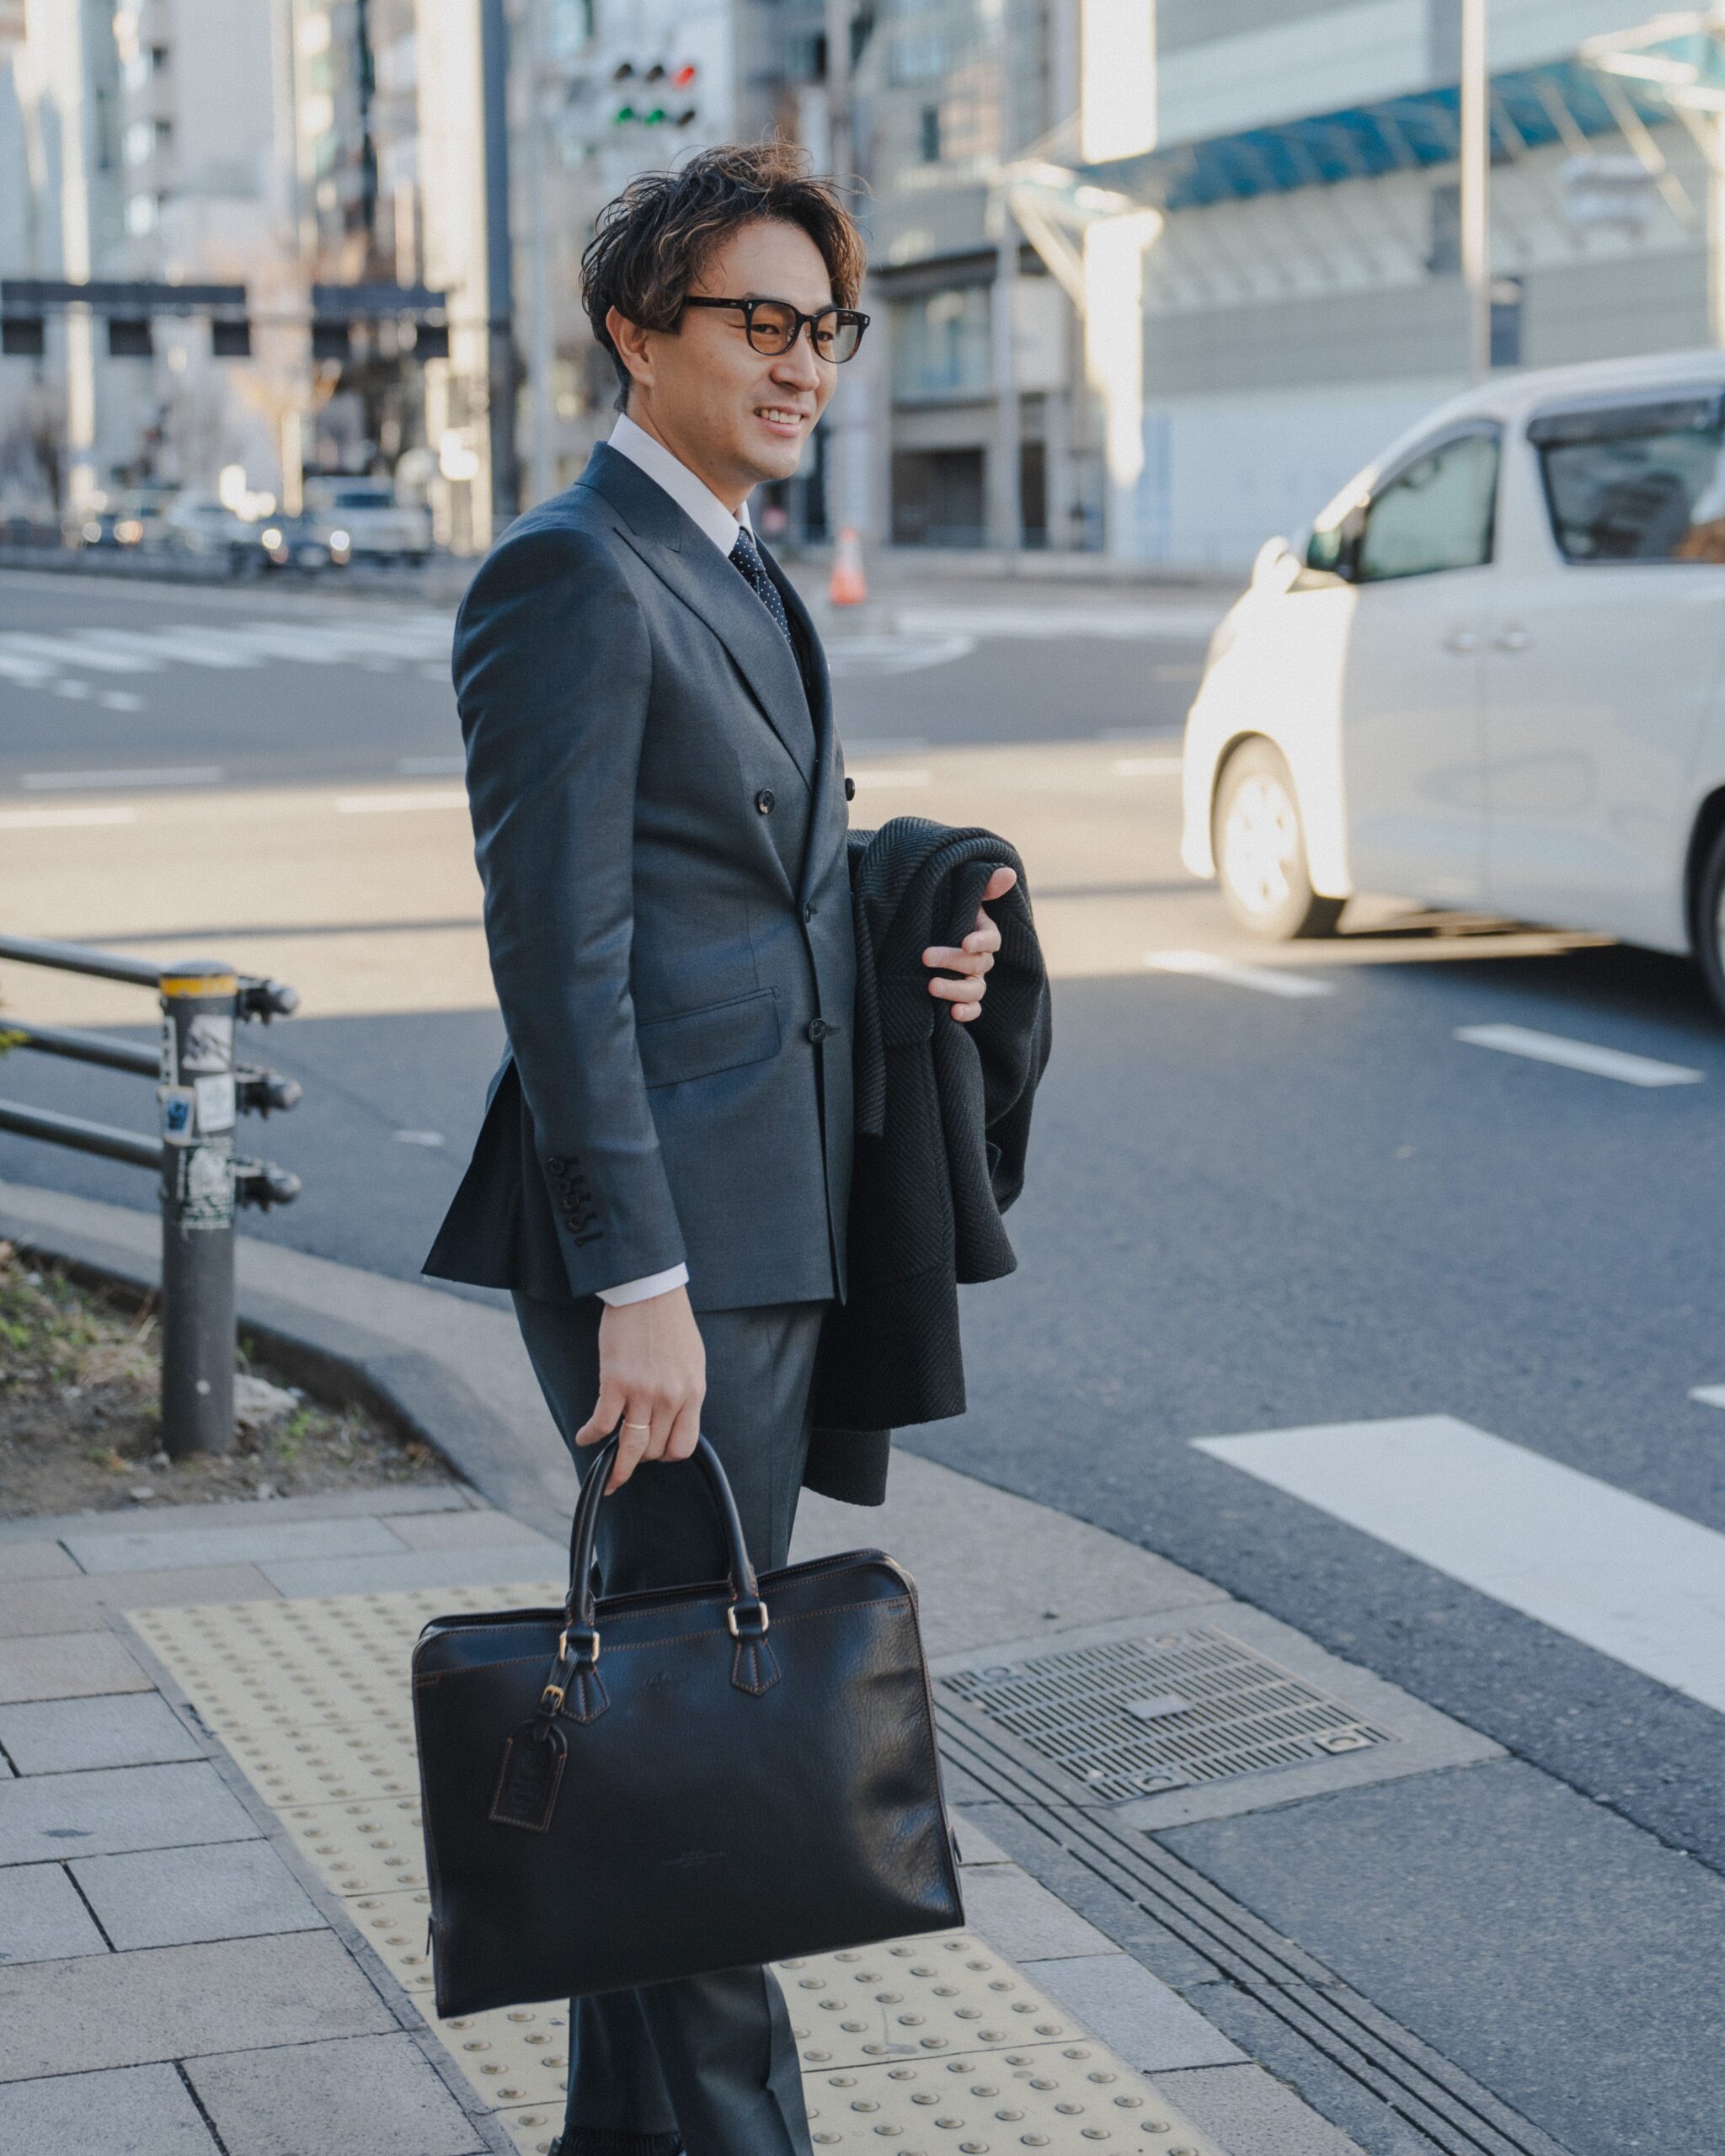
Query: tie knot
x=746, y=555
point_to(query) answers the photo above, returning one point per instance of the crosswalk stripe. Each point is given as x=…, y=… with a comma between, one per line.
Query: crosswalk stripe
x=215, y=649
x=1639, y=1583
x=1710, y=1396
x=1579, y=1055
x=67, y=651
x=98, y=781
x=391, y=804
x=1267, y=980
x=43, y=819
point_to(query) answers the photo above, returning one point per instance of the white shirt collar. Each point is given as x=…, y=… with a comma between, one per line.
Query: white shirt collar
x=693, y=496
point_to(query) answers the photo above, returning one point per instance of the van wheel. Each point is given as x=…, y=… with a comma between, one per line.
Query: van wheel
x=1260, y=851
x=1709, y=920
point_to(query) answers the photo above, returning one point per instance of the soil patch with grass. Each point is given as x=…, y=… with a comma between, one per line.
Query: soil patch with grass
x=80, y=1417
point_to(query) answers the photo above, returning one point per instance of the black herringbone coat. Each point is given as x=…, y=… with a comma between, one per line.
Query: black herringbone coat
x=943, y=1121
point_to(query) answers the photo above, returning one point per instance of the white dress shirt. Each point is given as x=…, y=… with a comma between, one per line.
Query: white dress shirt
x=698, y=502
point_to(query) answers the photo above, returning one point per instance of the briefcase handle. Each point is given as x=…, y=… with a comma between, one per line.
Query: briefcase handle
x=745, y=1616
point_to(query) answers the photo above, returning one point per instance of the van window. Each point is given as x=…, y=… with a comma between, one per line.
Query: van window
x=1635, y=483
x=1437, y=513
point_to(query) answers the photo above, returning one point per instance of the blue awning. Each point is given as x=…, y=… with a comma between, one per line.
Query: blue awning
x=1365, y=142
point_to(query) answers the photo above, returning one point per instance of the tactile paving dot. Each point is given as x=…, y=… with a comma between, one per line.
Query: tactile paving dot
x=932, y=2046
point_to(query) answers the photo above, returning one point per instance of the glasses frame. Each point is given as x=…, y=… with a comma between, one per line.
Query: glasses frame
x=841, y=317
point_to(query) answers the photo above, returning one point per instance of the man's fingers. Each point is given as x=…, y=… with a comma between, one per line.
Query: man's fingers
x=606, y=1410
x=976, y=957
x=966, y=1013
x=999, y=883
x=684, y=1432
x=634, y=1445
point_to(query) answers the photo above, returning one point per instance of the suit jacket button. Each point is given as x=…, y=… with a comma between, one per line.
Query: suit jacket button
x=818, y=1029
x=850, y=789
x=556, y=1163
x=808, y=912
x=767, y=801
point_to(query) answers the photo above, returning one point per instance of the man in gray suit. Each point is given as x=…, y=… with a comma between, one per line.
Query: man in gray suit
x=659, y=810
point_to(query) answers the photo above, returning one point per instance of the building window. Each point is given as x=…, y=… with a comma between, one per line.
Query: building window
x=929, y=135
x=140, y=142
x=1507, y=295
x=940, y=346
x=1444, y=253
x=141, y=213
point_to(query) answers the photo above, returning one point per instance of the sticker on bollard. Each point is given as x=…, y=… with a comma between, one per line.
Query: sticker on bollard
x=180, y=1109
x=204, y=1192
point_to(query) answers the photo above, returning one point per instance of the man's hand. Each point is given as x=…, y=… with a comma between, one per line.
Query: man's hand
x=651, y=1377
x=973, y=958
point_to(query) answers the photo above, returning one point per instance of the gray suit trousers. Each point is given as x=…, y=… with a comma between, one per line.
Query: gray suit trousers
x=706, y=2065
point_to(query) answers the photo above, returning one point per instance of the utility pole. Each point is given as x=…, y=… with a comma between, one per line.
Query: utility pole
x=1006, y=501
x=848, y=460
x=499, y=280
x=541, y=342
x=1714, y=123
x=1476, y=189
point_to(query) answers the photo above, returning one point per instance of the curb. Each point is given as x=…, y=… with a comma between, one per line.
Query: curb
x=334, y=1357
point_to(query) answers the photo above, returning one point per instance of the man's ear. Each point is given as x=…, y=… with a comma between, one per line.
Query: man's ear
x=630, y=339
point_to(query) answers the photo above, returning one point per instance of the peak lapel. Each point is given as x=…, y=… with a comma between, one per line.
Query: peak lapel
x=684, y=557
x=821, y=710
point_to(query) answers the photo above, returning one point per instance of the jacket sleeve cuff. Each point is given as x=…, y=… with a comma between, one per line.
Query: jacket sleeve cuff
x=642, y=1290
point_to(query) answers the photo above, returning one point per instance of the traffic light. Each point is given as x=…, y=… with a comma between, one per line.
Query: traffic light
x=658, y=109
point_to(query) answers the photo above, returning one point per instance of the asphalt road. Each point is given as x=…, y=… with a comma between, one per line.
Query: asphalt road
x=1246, y=1211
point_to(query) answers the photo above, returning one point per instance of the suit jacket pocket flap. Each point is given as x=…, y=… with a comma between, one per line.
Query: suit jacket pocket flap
x=719, y=1037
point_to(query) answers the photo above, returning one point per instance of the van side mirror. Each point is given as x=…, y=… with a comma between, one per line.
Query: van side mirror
x=1334, y=550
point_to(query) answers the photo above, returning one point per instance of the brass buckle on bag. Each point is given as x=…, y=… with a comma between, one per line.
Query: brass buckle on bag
x=551, y=1698
x=730, y=1619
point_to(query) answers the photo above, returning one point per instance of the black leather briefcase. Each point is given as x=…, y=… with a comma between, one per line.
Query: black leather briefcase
x=681, y=1780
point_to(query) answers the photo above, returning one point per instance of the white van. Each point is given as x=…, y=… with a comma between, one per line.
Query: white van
x=360, y=519
x=1490, y=675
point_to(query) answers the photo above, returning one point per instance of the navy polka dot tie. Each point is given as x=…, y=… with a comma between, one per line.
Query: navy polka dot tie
x=746, y=559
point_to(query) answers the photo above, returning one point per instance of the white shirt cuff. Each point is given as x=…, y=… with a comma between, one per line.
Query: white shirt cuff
x=652, y=1283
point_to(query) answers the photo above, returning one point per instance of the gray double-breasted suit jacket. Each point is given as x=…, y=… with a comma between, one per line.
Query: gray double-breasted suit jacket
x=659, y=816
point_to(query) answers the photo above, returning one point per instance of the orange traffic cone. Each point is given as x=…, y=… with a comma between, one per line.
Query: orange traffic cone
x=848, y=587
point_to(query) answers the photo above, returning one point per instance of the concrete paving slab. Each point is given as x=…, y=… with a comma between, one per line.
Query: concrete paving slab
x=176, y=1897
x=476, y=1529
x=1022, y=1919
x=66, y=1666
x=183, y=2002
x=46, y=1817
x=75, y=1605
x=42, y=1917
x=1465, y=1904
x=382, y=1504
x=974, y=1846
x=60, y=1737
x=1150, y=2026
x=320, y=1576
x=1248, y=2109
x=377, y=2095
x=136, y=1551
x=949, y=1530
x=135, y=2110
x=36, y=1560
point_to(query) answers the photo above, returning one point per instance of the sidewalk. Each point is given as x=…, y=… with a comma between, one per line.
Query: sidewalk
x=211, y=1900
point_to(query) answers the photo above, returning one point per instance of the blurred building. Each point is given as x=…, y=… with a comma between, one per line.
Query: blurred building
x=1303, y=299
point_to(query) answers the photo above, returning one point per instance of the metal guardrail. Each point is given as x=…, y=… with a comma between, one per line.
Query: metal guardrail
x=201, y=1092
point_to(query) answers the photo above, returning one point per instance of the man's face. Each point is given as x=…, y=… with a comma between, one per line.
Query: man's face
x=734, y=415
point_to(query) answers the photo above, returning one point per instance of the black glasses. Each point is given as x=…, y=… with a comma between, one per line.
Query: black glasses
x=773, y=326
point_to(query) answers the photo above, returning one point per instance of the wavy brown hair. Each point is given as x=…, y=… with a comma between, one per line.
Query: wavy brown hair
x=651, y=242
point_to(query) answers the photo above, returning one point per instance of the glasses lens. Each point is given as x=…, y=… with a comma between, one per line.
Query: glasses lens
x=840, y=336
x=771, y=327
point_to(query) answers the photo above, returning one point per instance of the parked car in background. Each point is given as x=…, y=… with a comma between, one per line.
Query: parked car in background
x=1492, y=675
x=360, y=519
x=200, y=525
x=126, y=519
x=295, y=542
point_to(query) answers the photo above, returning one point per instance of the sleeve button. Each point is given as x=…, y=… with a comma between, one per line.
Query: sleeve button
x=850, y=789
x=767, y=801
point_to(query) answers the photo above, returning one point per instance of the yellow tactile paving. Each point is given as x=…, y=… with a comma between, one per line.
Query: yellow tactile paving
x=921, y=2047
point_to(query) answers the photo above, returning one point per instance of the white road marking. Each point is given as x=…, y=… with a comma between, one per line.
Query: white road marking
x=418, y=1137
x=892, y=778
x=42, y=819
x=216, y=647
x=1147, y=766
x=70, y=687
x=70, y=651
x=1269, y=981
x=1639, y=1583
x=394, y=804
x=120, y=700
x=1579, y=1055
x=103, y=782
x=1184, y=624
x=1710, y=1396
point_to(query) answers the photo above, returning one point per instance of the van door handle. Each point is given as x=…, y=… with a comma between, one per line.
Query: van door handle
x=1512, y=640
x=1462, y=642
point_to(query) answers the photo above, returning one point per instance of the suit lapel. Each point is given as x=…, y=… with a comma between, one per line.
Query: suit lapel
x=682, y=557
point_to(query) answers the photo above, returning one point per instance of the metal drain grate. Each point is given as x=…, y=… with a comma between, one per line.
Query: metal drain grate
x=1131, y=1717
